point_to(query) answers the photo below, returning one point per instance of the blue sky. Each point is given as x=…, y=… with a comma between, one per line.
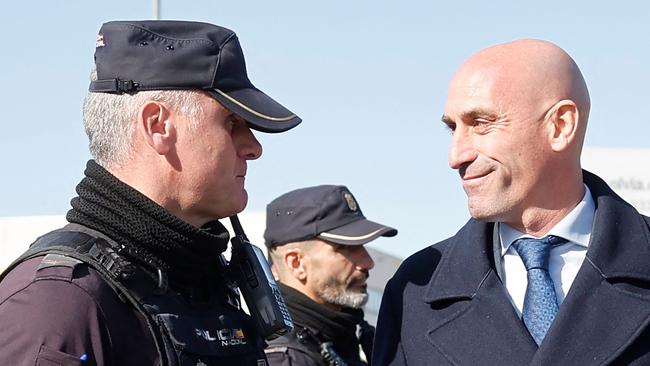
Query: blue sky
x=368, y=78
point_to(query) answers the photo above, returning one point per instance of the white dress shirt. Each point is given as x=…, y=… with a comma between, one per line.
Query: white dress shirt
x=565, y=260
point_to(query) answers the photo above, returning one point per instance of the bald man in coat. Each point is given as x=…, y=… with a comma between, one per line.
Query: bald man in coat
x=518, y=114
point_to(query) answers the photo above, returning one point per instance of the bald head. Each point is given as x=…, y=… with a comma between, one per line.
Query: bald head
x=530, y=71
x=519, y=112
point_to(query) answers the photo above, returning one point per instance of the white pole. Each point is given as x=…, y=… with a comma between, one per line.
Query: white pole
x=156, y=9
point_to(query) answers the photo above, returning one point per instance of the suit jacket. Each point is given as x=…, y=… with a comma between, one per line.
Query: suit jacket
x=446, y=304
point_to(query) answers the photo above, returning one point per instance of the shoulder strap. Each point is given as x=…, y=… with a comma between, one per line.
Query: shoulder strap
x=59, y=241
x=99, y=254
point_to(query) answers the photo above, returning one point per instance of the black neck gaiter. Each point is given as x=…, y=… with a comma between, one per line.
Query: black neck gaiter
x=146, y=232
x=337, y=326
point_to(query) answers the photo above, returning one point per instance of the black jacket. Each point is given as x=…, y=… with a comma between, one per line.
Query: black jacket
x=321, y=336
x=57, y=314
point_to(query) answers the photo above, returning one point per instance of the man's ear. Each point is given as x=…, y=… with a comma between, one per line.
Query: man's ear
x=296, y=264
x=156, y=127
x=565, y=120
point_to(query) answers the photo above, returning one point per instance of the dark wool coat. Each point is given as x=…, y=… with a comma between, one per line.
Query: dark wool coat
x=447, y=306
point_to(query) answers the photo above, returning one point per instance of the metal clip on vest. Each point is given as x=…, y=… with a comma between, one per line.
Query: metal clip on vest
x=117, y=266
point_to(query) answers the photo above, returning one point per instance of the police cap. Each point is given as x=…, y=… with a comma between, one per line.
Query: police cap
x=327, y=212
x=131, y=56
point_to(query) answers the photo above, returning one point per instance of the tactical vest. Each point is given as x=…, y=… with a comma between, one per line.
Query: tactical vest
x=312, y=344
x=217, y=332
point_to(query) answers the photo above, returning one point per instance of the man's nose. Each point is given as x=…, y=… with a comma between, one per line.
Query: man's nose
x=364, y=262
x=461, y=151
x=250, y=148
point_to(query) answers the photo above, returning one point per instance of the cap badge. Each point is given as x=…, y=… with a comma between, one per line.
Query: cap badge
x=100, y=41
x=352, y=204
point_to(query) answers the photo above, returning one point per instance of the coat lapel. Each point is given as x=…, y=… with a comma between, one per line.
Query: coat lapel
x=474, y=322
x=608, y=304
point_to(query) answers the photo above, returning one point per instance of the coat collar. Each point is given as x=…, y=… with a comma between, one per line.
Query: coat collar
x=476, y=322
x=464, y=265
x=620, y=237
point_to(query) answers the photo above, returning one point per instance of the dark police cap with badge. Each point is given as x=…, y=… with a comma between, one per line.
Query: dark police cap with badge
x=132, y=56
x=326, y=212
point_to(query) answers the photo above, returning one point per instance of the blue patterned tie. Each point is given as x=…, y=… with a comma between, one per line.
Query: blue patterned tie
x=540, y=303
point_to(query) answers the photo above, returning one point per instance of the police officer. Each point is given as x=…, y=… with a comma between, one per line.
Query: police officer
x=168, y=117
x=316, y=238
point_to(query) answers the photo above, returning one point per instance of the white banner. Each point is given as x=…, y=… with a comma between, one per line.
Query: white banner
x=627, y=171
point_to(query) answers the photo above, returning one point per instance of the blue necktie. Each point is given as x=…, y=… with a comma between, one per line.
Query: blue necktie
x=540, y=303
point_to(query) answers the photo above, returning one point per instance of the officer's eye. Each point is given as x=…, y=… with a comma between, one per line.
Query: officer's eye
x=338, y=247
x=231, y=122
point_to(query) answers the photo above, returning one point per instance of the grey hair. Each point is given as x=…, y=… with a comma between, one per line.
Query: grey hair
x=110, y=119
x=276, y=256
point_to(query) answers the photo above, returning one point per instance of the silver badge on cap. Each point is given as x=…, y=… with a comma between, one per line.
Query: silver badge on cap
x=352, y=204
x=100, y=41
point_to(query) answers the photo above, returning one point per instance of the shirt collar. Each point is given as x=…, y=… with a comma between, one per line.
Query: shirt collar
x=575, y=227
